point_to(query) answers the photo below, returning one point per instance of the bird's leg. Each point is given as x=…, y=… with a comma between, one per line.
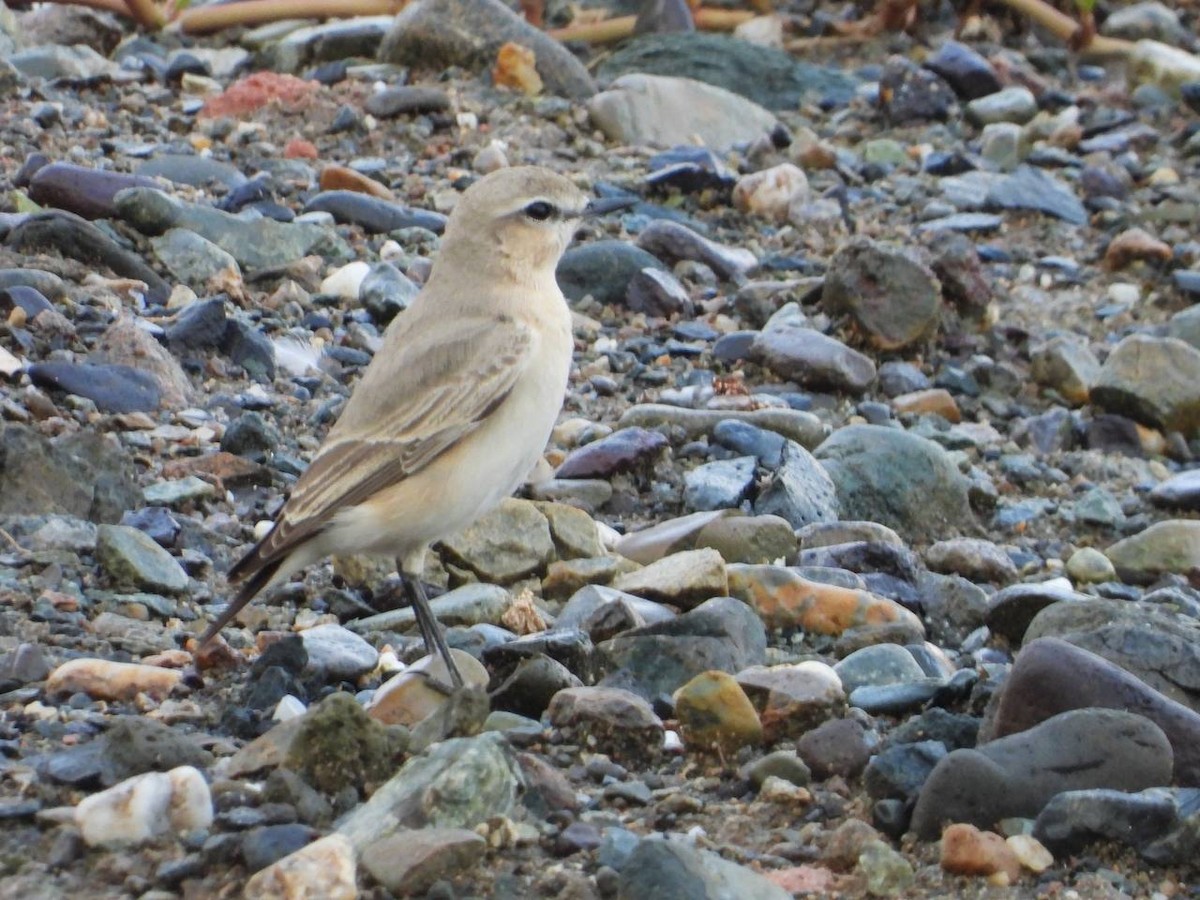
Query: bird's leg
x=431, y=632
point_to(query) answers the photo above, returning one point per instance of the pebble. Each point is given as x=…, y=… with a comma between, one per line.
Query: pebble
x=143, y=807
x=659, y=864
x=103, y=679
x=684, y=579
x=968, y=851
x=324, y=868
x=645, y=109
x=785, y=599
x=715, y=714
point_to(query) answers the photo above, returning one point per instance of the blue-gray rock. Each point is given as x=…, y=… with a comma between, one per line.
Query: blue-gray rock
x=84, y=191
x=267, y=844
x=249, y=348
x=771, y=78
x=28, y=299
x=374, y=214
x=722, y=484
x=1074, y=819
x=897, y=479
x=1030, y=188
x=895, y=699
x=156, y=522
x=881, y=664
x=198, y=325
x=722, y=634
x=76, y=238
x=386, y=291
x=114, y=389
x=672, y=868
x=964, y=69
x=195, y=171
x=603, y=269
x=1019, y=774
x=742, y=437
x=674, y=241
x=899, y=771
x=813, y=359
x=336, y=653
x=800, y=490
x=656, y=292
x=1180, y=491
x=406, y=100
x=132, y=559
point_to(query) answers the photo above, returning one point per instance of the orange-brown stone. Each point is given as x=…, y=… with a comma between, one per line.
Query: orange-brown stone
x=784, y=599
x=968, y=851
x=933, y=400
x=343, y=178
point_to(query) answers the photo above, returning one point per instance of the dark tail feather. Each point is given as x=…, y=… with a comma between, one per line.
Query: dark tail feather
x=254, y=583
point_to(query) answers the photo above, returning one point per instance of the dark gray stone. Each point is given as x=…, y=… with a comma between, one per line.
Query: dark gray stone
x=1017, y=775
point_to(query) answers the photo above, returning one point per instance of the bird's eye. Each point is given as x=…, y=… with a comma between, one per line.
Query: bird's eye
x=539, y=210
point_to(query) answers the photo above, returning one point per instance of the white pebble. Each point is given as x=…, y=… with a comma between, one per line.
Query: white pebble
x=345, y=282
x=145, y=806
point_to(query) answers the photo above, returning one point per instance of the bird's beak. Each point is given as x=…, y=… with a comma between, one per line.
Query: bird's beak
x=603, y=205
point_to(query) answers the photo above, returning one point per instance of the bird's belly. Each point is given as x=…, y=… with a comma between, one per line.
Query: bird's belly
x=460, y=485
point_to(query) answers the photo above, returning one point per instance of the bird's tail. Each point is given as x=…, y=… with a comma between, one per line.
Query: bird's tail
x=255, y=575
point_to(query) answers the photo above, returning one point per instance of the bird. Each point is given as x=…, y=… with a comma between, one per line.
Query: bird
x=456, y=406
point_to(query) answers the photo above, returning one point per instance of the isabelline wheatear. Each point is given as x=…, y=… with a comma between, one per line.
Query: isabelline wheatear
x=457, y=405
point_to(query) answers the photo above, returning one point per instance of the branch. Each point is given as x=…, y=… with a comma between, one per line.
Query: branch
x=256, y=12
x=147, y=13
x=1064, y=28
x=608, y=31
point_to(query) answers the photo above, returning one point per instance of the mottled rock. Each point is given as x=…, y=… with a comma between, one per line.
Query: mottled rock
x=1155, y=381
x=1163, y=548
x=714, y=713
x=898, y=479
x=684, y=579
x=504, y=545
x=893, y=297
x=325, y=868
x=785, y=599
x=657, y=658
x=437, y=34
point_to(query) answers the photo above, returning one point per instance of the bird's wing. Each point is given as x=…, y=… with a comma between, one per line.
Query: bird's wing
x=410, y=407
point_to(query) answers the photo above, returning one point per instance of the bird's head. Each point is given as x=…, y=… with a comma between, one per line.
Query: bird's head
x=525, y=216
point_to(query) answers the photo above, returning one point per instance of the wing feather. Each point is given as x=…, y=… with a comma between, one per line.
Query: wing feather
x=408, y=409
